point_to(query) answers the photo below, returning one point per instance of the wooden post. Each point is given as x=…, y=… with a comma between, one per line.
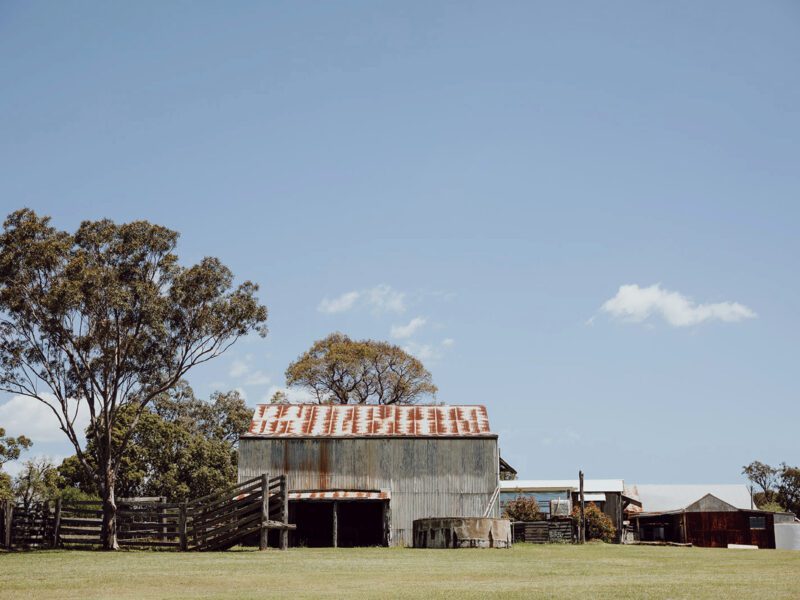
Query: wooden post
x=264, y=541
x=285, y=509
x=182, y=527
x=9, y=522
x=56, y=522
x=335, y=524
x=582, y=526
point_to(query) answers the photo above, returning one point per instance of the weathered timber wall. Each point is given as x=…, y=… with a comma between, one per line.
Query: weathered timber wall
x=426, y=477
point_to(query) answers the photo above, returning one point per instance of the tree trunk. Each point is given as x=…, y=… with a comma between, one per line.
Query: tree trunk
x=109, y=531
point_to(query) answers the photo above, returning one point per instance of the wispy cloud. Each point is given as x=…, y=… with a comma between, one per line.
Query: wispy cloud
x=339, y=304
x=637, y=304
x=429, y=352
x=380, y=299
x=242, y=371
x=406, y=331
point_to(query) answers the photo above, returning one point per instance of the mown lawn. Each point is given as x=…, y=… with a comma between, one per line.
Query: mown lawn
x=591, y=571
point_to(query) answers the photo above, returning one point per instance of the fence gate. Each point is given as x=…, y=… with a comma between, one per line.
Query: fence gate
x=214, y=522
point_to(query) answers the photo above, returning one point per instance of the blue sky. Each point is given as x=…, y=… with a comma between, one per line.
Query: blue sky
x=481, y=177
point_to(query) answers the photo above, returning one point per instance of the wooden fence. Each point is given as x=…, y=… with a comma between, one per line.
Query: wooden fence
x=213, y=522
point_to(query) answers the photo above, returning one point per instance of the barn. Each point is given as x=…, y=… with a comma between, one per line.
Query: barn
x=360, y=474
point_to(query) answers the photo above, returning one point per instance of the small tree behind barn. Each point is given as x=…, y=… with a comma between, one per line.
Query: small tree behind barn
x=523, y=508
x=106, y=320
x=598, y=524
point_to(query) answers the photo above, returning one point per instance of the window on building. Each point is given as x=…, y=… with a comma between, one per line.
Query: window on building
x=758, y=522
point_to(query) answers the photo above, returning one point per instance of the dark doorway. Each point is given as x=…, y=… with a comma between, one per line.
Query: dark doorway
x=314, y=522
x=359, y=523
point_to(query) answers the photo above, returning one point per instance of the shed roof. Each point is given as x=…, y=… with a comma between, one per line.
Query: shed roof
x=666, y=498
x=554, y=485
x=331, y=421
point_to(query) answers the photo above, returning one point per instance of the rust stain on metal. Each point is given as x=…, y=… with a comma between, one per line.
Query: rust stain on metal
x=313, y=420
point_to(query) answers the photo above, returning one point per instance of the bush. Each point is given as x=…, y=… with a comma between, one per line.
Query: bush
x=522, y=509
x=598, y=524
x=771, y=507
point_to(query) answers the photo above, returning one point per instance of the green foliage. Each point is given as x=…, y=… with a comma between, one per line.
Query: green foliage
x=38, y=481
x=771, y=507
x=780, y=486
x=338, y=370
x=522, y=508
x=598, y=524
x=182, y=447
x=106, y=318
x=12, y=447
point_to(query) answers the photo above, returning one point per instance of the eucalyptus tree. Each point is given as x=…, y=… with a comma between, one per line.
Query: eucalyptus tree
x=339, y=370
x=104, y=320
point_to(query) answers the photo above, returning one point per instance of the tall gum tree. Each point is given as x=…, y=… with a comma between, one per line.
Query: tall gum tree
x=106, y=319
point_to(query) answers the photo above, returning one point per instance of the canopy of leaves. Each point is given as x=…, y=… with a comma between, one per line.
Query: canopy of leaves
x=183, y=447
x=10, y=449
x=522, y=508
x=598, y=524
x=780, y=486
x=107, y=318
x=339, y=370
x=38, y=481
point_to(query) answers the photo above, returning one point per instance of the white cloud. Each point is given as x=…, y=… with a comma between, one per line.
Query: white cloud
x=257, y=378
x=406, y=331
x=22, y=415
x=429, y=352
x=296, y=396
x=637, y=304
x=242, y=370
x=339, y=304
x=381, y=298
x=238, y=368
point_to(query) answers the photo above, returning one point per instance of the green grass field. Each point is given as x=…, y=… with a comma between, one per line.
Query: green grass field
x=587, y=572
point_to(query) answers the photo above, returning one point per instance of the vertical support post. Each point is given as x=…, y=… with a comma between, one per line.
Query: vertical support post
x=335, y=524
x=56, y=522
x=9, y=523
x=264, y=541
x=285, y=510
x=582, y=527
x=182, y=527
x=45, y=517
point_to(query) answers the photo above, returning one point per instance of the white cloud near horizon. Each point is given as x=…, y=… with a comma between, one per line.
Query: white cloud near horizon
x=637, y=304
x=381, y=298
x=22, y=415
x=406, y=331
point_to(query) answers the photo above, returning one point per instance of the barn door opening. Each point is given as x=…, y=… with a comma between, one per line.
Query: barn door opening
x=340, y=523
x=360, y=523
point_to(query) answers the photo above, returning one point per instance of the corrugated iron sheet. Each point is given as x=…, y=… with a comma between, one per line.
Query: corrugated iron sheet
x=314, y=420
x=340, y=495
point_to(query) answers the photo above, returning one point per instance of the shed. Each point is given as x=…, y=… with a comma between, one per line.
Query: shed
x=361, y=474
x=710, y=522
x=607, y=494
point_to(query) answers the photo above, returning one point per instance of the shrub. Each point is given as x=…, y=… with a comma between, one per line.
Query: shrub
x=598, y=524
x=522, y=509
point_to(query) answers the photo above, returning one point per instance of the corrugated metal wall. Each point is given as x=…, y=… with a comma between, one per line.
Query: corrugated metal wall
x=427, y=477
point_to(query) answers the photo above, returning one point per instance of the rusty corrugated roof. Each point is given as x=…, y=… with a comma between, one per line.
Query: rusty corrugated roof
x=315, y=420
x=341, y=495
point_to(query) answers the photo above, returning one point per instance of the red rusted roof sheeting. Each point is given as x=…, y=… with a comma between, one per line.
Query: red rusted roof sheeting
x=340, y=495
x=314, y=420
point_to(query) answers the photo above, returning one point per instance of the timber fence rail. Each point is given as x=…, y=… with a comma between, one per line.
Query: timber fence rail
x=214, y=522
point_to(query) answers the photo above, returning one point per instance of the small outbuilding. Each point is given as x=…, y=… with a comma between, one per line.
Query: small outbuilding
x=360, y=475
x=557, y=497
x=709, y=522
